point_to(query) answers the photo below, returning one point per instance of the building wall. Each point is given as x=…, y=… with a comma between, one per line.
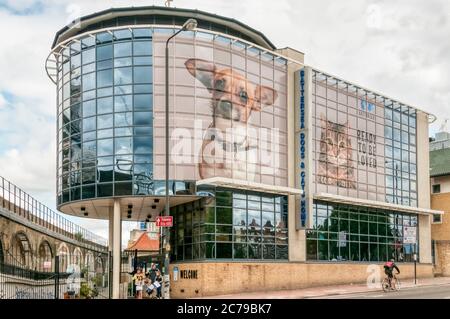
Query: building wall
x=442, y=258
x=229, y=278
x=423, y=186
x=441, y=202
x=444, y=181
x=423, y=163
x=297, y=245
x=440, y=233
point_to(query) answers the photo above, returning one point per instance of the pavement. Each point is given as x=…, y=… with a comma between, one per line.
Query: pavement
x=439, y=286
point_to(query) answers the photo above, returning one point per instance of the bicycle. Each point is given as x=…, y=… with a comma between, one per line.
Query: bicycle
x=394, y=282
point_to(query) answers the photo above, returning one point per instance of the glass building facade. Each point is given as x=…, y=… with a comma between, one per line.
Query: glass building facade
x=351, y=233
x=231, y=224
x=364, y=144
x=111, y=142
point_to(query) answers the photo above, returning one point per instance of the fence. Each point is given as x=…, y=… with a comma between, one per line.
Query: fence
x=15, y=200
x=19, y=282
x=133, y=259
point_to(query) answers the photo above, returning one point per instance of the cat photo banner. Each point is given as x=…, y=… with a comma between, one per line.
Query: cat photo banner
x=348, y=140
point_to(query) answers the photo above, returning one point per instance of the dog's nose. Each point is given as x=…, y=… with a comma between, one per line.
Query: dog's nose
x=225, y=109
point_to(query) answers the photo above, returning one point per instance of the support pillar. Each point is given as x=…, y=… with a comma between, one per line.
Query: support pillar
x=110, y=230
x=116, y=248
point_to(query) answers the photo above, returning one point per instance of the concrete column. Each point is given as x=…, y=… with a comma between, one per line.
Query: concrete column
x=117, y=251
x=111, y=230
x=297, y=238
x=423, y=187
x=423, y=161
x=425, y=239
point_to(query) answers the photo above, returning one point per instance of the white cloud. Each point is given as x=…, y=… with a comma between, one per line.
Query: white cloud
x=3, y=101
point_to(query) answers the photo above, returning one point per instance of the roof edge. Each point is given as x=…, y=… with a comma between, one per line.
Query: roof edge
x=194, y=12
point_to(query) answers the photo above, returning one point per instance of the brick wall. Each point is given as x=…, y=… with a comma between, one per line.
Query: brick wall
x=228, y=278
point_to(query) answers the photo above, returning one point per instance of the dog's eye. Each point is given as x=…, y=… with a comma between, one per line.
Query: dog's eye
x=220, y=85
x=243, y=96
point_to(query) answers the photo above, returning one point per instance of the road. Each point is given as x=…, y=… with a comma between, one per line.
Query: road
x=424, y=292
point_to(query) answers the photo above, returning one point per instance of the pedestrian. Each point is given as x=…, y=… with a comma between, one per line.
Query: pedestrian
x=139, y=279
x=152, y=272
x=158, y=283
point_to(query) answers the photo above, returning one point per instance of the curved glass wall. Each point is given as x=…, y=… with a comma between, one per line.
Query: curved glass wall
x=105, y=121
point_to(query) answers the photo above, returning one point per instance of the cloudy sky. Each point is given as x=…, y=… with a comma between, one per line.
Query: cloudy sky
x=400, y=48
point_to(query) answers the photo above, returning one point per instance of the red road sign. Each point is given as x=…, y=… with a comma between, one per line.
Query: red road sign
x=164, y=221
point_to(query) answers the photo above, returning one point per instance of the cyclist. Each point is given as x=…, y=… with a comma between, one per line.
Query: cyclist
x=389, y=267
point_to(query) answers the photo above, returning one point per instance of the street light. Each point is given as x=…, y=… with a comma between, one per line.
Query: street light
x=189, y=25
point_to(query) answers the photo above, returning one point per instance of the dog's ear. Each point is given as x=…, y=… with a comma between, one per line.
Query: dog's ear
x=264, y=95
x=203, y=71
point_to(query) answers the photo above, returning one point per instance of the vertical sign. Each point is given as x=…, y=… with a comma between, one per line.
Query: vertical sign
x=409, y=235
x=303, y=157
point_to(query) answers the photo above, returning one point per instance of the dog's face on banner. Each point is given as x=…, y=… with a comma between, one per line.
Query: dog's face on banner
x=233, y=96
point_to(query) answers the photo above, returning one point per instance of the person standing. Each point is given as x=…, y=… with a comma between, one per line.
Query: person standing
x=139, y=278
x=158, y=283
x=152, y=273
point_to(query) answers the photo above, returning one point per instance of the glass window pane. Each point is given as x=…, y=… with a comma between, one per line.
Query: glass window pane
x=223, y=215
x=105, y=133
x=123, y=103
x=239, y=217
x=87, y=42
x=143, y=130
x=123, y=145
x=88, y=56
x=89, y=124
x=89, y=108
x=88, y=81
x=224, y=250
x=142, y=33
x=105, y=105
x=122, y=49
x=104, y=37
x=104, y=78
x=105, y=121
x=268, y=219
x=143, y=118
x=123, y=119
x=240, y=251
x=143, y=102
x=104, y=52
x=122, y=76
x=143, y=74
x=122, y=34
x=121, y=189
x=105, y=147
x=142, y=48
x=254, y=251
x=122, y=62
x=107, y=64
x=142, y=60
x=143, y=145
x=104, y=190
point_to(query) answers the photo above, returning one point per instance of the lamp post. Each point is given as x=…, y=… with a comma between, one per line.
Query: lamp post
x=189, y=25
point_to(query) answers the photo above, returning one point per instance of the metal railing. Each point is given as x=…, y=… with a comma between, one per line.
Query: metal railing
x=15, y=200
